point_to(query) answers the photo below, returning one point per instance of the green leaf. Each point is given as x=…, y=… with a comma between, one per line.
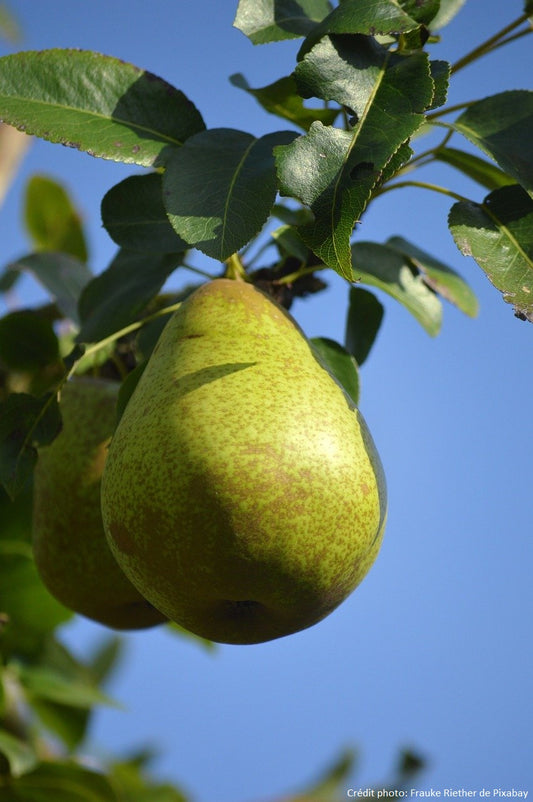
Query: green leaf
x=19, y=755
x=282, y=99
x=441, y=278
x=448, y=10
x=502, y=126
x=289, y=242
x=205, y=644
x=332, y=782
x=383, y=267
x=422, y=11
x=32, y=612
x=339, y=363
x=365, y=314
x=42, y=683
x=334, y=171
x=440, y=73
x=95, y=103
x=134, y=215
x=116, y=297
x=480, y=170
x=63, y=276
x=25, y=423
x=52, y=220
x=16, y=514
x=219, y=188
x=499, y=235
x=368, y=17
x=60, y=782
x=27, y=341
x=273, y=20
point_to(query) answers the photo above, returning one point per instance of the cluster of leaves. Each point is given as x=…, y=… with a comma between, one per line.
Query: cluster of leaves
x=299, y=192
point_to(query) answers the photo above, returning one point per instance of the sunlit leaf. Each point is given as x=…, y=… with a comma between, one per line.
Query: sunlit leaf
x=484, y=172
x=502, y=126
x=95, y=103
x=385, y=268
x=499, y=235
x=333, y=171
x=369, y=17
x=219, y=188
x=273, y=20
x=440, y=277
x=282, y=99
x=448, y=10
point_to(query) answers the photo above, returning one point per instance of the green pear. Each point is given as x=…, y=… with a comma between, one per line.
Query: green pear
x=70, y=547
x=243, y=494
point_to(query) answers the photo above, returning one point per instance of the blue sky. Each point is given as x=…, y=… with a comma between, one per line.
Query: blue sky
x=433, y=651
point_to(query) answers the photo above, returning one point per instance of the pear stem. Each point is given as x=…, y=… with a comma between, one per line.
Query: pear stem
x=235, y=269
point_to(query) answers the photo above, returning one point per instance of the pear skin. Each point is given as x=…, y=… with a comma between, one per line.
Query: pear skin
x=243, y=494
x=70, y=547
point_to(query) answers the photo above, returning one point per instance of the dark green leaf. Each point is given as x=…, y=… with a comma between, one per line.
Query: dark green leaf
x=363, y=321
x=116, y=297
x=219, y=188
x=383, y=267
x=480, y=170
x=499, y=235
x=441, y=278
x=134, y=215
x=25, y=423
x=127, y=388
x=60, y=782
x=8, y=279
x=16, y=514
x=27, y=341
x=282, y=99
x=95, y=103
x=423, y=11
x=440, y=73
x=19, y=754
x=528, y=6
x=31, y=611
x=502, y=126
x=369, y=17
x=63, y=276
x=290, y=243
x=52, y=220
x=334, y=171
x=339, y=363
x=273, y=20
